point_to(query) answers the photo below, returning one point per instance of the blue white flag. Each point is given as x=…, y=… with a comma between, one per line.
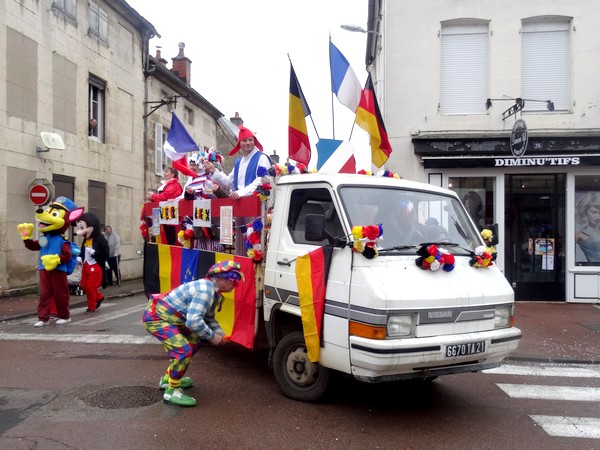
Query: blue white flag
x=178, y=143
x=344, y=82
x=335, y=156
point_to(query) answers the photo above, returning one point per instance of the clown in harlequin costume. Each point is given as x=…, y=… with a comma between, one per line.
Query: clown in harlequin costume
x=94, y=253
x=245, y=178
x=184, y=317
x=55, y=253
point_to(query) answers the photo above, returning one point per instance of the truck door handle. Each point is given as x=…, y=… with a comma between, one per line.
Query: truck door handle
x=285, y=262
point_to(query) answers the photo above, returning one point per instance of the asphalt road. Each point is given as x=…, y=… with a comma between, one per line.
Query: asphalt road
x=92, y=384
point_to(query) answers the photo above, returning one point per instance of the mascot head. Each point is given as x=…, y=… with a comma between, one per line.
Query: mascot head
x=58, y=216
x=88, y=226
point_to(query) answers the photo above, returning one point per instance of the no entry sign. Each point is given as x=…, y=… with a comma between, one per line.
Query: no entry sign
x=39, y=192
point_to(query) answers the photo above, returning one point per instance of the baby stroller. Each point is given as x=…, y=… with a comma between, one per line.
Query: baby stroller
x=74, y=280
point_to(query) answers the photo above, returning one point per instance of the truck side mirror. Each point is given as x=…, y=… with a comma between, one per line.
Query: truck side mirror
x=315, y=227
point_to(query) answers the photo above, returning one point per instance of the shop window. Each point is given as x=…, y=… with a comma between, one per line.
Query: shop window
x=545, y=62
x=465, y=66
x=477, y=194
x=587, y=220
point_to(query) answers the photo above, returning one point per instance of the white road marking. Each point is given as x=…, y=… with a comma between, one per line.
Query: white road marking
x=80, y=338
x=553, y=370
x=99, y=318
x=538, y=392
x=579, y=427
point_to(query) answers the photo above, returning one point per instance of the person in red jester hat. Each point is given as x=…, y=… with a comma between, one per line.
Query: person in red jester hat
x=184, y=317
x=94, y=253
x=244, y=179
x=55, y=253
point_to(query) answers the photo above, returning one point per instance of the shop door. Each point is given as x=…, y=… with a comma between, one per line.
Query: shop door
x=535, y=222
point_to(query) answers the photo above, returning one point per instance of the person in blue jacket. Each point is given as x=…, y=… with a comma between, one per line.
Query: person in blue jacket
x=243, y=179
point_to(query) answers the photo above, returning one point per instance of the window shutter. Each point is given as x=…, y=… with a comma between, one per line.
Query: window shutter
x=158, y=149
x=545, y=65
x=465, y=61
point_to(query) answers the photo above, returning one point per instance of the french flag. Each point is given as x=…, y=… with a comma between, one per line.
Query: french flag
x=178, y=144
x=335, y=156
x=344, y=82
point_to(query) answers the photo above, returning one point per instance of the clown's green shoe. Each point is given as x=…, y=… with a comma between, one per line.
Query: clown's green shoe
x=186, y=382
x=177, y=397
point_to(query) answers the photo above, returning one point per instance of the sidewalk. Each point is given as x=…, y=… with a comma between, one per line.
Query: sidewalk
x=556, y=332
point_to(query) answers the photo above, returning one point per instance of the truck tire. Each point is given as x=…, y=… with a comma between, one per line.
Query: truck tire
x=297, y=377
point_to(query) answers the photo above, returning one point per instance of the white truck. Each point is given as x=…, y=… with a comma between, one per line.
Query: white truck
x=388, y=317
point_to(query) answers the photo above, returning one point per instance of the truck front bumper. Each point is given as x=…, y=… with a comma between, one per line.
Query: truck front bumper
x=397, y=359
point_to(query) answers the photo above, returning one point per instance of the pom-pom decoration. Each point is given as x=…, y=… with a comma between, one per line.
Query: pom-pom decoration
x=366, y=239
x=252, y=241
x=433, y=258
x=482, y=258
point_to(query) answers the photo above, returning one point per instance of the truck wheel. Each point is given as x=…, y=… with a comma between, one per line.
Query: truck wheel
x=297, y=377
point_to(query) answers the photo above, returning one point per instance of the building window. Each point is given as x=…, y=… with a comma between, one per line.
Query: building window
x=587, y=220
x=67, y=9
x=97, y=90
x=97, y=200
x=465, y=66
x=98, y=23
x=188, y=115
x=545, y=64
x=160, y=159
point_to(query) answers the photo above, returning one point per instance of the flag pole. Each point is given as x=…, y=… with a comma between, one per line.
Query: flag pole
x=332, y=108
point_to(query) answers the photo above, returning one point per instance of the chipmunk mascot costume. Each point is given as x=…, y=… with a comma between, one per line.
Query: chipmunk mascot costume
x=94, y=253
x=55, y=255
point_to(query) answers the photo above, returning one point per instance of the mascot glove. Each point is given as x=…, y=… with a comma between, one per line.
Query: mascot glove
x=92, y=252
x=25, y=230
x=79, y=260
x=50, y=261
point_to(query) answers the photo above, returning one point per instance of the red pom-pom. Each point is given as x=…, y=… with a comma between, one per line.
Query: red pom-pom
x=371, y=232
x=433, y=250
x=188, y=234
x=254, y=238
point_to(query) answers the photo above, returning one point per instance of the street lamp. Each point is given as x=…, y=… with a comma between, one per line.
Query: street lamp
x=357, y=29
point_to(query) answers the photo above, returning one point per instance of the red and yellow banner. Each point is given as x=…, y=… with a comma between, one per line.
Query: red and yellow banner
x=312, y=271
x=166, y=267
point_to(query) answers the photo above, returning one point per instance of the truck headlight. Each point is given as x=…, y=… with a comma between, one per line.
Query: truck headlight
x=399, y=326
x=502, y=316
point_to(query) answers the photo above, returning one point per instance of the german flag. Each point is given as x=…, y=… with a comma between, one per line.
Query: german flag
x=166, y=267
x=369, y=119
x=312, y=271
x=298, y=143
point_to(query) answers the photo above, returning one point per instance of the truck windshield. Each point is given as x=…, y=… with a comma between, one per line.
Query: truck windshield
x=411, y=218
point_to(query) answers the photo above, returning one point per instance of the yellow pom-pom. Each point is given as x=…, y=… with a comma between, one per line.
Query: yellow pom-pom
x=357, y=232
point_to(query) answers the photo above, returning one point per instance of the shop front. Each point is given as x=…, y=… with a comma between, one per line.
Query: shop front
x=544, y=206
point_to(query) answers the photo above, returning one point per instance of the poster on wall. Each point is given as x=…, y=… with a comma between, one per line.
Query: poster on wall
x=587, y=227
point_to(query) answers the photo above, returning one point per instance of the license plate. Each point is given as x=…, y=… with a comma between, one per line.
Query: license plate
x=465, y=349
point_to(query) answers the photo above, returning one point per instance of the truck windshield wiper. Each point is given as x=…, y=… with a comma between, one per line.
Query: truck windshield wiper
x=398, y=247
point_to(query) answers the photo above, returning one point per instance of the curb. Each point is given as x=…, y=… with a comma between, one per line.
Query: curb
x=538, y=359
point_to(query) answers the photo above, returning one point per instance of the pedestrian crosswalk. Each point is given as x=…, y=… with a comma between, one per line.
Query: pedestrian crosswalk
x=567, y=391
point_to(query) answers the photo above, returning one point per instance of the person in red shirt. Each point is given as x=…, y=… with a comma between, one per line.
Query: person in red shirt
x=170, y=189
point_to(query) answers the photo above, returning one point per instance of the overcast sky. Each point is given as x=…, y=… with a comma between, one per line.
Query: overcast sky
x=239, y=52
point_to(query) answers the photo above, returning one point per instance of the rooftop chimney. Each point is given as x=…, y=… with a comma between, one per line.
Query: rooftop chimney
x=159, y=57
x=182, y=66
x=237, y=120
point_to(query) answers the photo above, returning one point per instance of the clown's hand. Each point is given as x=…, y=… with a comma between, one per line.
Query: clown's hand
x=25, y=230
x=50, y=261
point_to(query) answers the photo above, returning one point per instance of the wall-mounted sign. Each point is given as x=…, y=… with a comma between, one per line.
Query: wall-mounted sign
x=518, y=138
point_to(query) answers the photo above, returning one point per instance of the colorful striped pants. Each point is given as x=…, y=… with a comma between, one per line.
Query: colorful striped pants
x=168, y=326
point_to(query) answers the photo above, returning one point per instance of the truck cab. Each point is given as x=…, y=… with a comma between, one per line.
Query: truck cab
x=392, y=316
